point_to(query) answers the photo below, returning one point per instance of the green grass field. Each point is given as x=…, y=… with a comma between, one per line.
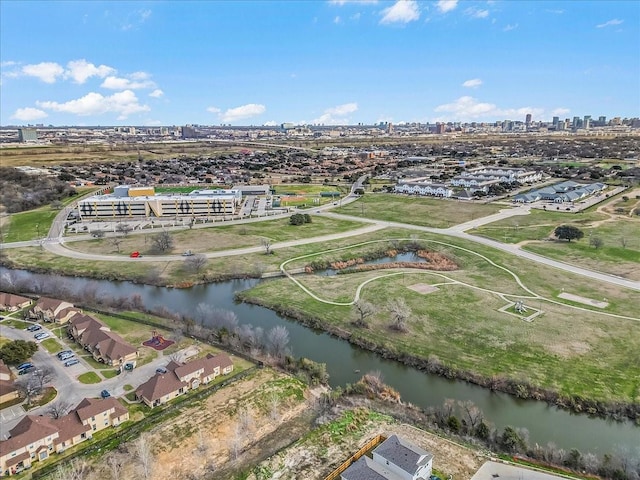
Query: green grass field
x=51, y=345
x=427, y=212
x=308, y=189
x=29, y=225
x=89, y=378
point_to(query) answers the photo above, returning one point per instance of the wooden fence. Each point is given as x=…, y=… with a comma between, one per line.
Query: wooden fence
x=374, y=442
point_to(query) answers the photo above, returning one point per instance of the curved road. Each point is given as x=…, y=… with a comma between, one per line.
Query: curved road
x=54, y=243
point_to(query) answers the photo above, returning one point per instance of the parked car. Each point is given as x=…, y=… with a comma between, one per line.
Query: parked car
x=187, y=253
x=41, y=336
x=64, y=352
x=105, y=394
x=135, y=254
x=34, y=328
x=25, y=365
x=70, y=363
x=161, y=370
x=24, y=371
x=67, y=356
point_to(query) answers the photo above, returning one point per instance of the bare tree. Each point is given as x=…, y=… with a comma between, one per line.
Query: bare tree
x=74, y=470
x=123, y=228
x=363, y=311
x=28, y=387
x=400, y=313
x=235, y=445
x=266, y=244
x=277, y=341
x=196, y=262
x=596, y=242
x=115, y=467
x=116, y=241
x=59, y=408
x=144, y=456
x=162, y=242
x=245, y=420
x=203, y=443
x=473, y=415
x=97, y=233
x=274, y=407
x=43, y=375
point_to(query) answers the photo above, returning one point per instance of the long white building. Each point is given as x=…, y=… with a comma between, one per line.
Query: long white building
x=121, y=205
x=419, y=186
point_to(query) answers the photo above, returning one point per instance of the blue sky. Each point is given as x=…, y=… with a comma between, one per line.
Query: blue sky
x=329, y=62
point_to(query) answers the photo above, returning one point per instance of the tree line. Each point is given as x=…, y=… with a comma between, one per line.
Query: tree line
x=20, y=191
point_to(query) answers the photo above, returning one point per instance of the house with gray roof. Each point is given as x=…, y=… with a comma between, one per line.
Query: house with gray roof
x=393, y=459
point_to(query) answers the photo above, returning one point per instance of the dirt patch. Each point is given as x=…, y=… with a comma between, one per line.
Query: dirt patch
x=583, y=300
x=423, y=288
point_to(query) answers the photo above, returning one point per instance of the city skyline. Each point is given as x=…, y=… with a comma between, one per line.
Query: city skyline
x=331, y=62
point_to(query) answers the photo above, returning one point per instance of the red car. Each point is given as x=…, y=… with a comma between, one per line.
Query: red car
x=135, y=254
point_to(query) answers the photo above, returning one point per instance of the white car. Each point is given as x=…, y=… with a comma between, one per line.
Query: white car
x=41, y=336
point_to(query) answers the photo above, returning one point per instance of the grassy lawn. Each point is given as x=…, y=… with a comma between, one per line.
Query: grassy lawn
x=427, y=212
x=48, y=394
x=89, y=378
x=11, y=322
x=51, y=345
x=308, y=189
x=108, y=373
x=221, y=237
x=619, y=254
x=580, y=353
x=29, y=225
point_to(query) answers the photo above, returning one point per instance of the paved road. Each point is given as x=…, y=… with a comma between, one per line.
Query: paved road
x=56, y=244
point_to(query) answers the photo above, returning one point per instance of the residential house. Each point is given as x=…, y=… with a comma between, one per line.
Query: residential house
x=406, y=460
x=52, y=310
x=8, y=391
x=181, y=378
x=393, y=459
x=562, y=192
x=12, y=303
x=98, y=339
x=37, y=437
x=418, y=187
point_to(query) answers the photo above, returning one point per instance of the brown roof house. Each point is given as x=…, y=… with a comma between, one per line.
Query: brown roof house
x=181, y=378
x=36, y=437
x=96, y=337
x=12, y=303
x=52, y=310
x=8, y=391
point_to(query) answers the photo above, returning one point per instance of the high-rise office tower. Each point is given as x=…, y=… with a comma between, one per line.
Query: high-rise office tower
x=586, y=122
x=527, y=119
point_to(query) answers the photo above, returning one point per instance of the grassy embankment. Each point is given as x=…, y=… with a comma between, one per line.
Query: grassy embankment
x=33, y=224
x=566, y=350
x=426, y=212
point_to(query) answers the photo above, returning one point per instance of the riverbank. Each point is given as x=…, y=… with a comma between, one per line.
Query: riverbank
x=499, y=383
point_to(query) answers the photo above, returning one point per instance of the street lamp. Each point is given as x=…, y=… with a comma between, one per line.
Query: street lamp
x=37, y=230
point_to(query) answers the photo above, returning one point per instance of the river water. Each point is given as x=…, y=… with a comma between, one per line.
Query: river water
x=346, y=363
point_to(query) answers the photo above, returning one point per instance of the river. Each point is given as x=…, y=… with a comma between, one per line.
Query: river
x=545, y=423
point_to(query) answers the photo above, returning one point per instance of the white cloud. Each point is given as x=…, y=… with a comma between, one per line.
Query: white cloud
x=8, y=63
x=510, y=27
x=468, y=108
x=473, y=83
x=337, y=19
x=123, y=103
x=28, y=114
x=476, y=12
x=48, y=72
x=337, y=115
x=445, y=6
x=239, y=113
x=135, y=19
x=403, y=11
x=136, y=81
x=610, y=23
x=270, y=123
x=81, y=70
x=157, y=93
x=560, y=111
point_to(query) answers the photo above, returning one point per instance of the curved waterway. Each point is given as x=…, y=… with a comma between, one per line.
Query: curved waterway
x=346, y=363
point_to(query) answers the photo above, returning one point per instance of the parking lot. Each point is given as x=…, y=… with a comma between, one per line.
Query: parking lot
x=65, y=378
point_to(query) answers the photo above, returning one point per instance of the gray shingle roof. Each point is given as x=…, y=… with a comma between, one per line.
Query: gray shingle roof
x=405, y=455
